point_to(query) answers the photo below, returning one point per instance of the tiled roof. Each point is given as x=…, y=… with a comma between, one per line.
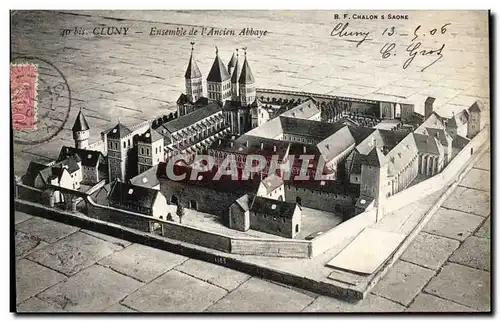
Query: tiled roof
x=309, y=128
x=149, y=136
x=188, y=119
x=243, y=202
x=218, y=72
x=336, y=143
x=476, y=107
x=305, y=110
x=233, y=61
x=89, y=158
x=458, y=119
x=272, y=182
x=401, y=155
x=118, y=132
x=32, y=172
x=205, y=180
x=330, y=186
x=439, y=134
x=247, y=144
x=147, y=179
x=236, y=72
x=80, y=123
x=273, y=207
x=459, y=142
x=246, y=76
x=192, y=70
x=426, y=143
x=129, y=195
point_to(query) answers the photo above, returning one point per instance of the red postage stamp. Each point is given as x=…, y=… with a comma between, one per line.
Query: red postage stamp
x=23, y=95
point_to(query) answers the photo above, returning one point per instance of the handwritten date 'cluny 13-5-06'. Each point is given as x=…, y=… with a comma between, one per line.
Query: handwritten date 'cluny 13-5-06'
x=413, y=49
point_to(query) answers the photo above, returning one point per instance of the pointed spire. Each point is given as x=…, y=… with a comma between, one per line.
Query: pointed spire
x=218, y=72
x=192, y=70
x=233, y=61
x=80, y=122
x=246, y=76
x=236, y=73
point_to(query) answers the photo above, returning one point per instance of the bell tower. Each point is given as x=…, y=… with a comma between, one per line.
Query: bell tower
x=218, y=81
x=193, y=79
x=235, y=95
x=246, y=83
x=81, y=131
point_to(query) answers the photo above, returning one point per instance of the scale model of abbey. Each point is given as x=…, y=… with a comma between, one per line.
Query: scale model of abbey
x=370, y=151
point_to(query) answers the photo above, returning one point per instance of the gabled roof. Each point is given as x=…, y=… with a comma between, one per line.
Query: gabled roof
x=426, y=144
x=80, y=123
x=206, y=180
x=459, y=142
x=243, y=202
x=191, y=118
x=439, y=134
x=246, y=76
x=71, y=163
x=32, y=172
x=273, y=207
x=458, y=119
x=192, y=70
x=150, y=136
x=316, y=129
x=147, y=179
x=248, y=144
x=118, y=132
x=305, y=110
x=129, y=195
x=336, y=143
x=401, y=155
x=89, y=158
x=476, y=107
x=183, y=99
x=374, y=158
x=272, y=182
x=218, y=72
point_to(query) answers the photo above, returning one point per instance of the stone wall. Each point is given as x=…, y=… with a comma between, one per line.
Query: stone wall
x=437, y=182
x=281, y=248
x=317, y=199
x=117, y=216
x=343, y=232
x=196, y=236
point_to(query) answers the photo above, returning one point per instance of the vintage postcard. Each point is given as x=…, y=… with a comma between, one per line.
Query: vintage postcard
x=250, y=161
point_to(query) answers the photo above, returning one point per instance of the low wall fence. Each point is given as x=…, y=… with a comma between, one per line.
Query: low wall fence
x=438, y=181
x=197, y=236
x=343, y=232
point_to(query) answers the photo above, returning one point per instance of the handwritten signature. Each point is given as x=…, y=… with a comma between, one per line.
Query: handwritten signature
x=341, y=31
x=414, y=49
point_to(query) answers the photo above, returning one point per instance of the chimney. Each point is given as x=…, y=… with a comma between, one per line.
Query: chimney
x=429, y=106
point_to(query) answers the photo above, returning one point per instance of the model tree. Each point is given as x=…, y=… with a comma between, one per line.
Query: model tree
x=180, y=212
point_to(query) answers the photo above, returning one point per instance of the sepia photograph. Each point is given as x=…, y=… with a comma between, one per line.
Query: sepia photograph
x=224, y=161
